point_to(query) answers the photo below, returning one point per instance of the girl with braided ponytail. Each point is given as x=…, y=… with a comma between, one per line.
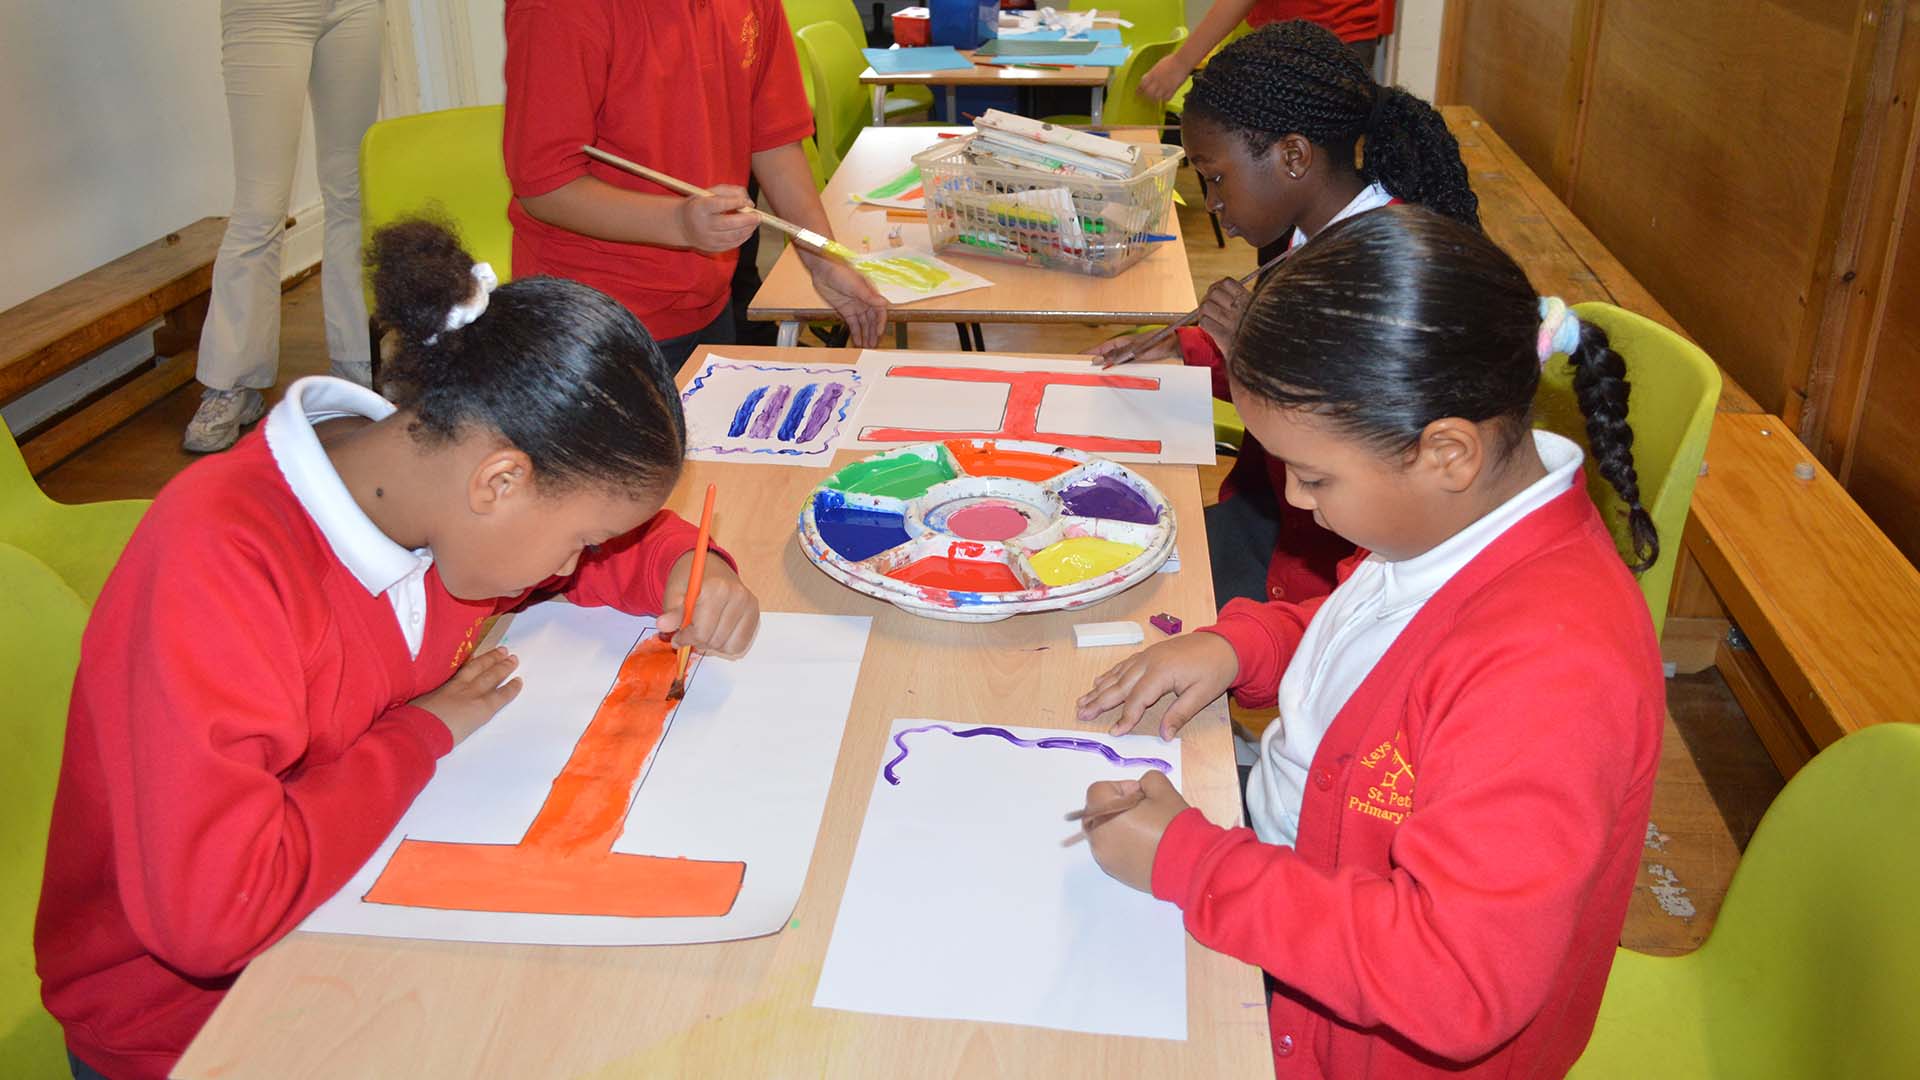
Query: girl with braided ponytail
x=286, y=647
x=1272, y=125
x=1447, y=816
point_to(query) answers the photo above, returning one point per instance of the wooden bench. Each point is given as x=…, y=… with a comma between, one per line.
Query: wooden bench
x=54, y=332
x=1825, y=606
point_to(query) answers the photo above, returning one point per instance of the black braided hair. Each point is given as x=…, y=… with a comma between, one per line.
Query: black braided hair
x=1296, y=77
x=1393, y=319
x=559, y=369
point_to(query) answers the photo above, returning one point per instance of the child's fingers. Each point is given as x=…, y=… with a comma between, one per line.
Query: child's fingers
x=1156, y=784
x=1141, y=696
x=1186, y=705
x=487, y=669
x=1109, y=690
x=499, y=696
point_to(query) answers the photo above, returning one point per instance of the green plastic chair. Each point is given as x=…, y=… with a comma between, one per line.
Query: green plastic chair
x=900, y=100
x=39, y=649
x=841, y=109
x=80, y=542
x=1675, y=388
x=447, y=164
x=1810, y=968
x=1125, y=104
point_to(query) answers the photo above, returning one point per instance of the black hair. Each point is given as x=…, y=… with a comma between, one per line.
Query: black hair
x=1398, y=317
x=1296, y=77
x=559, y=369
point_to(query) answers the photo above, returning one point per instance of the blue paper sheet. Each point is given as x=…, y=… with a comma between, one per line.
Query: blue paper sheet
x=917, y=61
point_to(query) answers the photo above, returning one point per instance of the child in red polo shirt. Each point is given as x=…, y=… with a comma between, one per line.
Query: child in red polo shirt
x=706, y=90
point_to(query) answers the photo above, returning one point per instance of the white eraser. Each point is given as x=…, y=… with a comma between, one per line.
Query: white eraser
x=1095, y=634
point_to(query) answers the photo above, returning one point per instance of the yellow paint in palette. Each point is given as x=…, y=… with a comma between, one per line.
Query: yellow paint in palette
x=1080, y=558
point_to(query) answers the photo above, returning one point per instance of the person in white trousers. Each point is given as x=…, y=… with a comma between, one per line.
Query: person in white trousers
x=273, y=55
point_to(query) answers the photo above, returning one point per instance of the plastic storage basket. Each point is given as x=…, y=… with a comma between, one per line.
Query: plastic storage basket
x=1022, y=215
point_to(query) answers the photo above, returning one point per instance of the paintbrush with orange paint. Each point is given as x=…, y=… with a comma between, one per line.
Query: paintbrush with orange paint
x=679, y=688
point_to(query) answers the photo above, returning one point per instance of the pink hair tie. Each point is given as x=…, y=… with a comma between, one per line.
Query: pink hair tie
x=1559, y=329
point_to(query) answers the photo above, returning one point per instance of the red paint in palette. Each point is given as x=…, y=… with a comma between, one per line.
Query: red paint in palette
x=959, y=575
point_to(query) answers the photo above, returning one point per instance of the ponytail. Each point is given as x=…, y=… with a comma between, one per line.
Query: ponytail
x=1410, y=152
x=1296, y=77
x=1600, y=385
x=557, y=368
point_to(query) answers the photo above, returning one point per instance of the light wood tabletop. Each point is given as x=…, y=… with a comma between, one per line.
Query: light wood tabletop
x=1157, y=289
x=317, y=1005
x=1005, y=75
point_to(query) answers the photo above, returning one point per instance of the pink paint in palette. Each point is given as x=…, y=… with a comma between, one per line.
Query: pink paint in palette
x=980, y=529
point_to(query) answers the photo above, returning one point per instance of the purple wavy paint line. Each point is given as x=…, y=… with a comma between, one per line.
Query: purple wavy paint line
x=1056, y=742
x=770, y=413
x=745, y=412
x=822, y=409
x=797, y=411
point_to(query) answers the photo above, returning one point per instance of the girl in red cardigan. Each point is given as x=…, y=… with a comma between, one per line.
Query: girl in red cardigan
x=286, y=646
x=1447, y=817
x=1272, y=126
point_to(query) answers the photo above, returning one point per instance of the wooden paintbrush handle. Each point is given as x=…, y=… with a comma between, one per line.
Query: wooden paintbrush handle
x=695, y=191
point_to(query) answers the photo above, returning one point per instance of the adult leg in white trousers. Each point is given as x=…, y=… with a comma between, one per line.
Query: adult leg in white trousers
x=271, y=50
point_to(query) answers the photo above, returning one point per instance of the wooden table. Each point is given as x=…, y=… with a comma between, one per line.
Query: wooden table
x=1157, y=289
x=998, y=75
x=319, y=1005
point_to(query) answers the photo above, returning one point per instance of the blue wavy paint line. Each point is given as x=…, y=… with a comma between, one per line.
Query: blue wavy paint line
x=1056, y=742
x=745, y=413
x=796, y=412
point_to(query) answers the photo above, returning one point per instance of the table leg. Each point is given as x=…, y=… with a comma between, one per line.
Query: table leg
x=899, y=335
x=789, y=334
x=879, y=105
x=953, y=105
x=1099, y=104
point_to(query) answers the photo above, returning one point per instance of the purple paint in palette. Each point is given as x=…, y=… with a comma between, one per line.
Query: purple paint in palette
x=762, y=426
x=1055, y=742
x=1110, y=498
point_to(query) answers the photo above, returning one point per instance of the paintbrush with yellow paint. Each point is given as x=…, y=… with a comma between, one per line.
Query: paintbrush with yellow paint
x=694, y=576
x=804, y=235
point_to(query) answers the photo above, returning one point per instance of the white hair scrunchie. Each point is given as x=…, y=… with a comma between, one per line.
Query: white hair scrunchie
x=1559, y=329
x=461, y=315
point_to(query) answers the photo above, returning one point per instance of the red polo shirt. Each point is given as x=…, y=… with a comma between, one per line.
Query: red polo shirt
x=691, y=87
x=1352, y=20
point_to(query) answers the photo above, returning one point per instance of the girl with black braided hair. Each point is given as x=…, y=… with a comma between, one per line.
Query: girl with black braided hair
x=1447, y=817
x=1272, y=125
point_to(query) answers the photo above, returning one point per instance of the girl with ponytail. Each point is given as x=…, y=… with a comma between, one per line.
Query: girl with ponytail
x=1290, y=134
x=287, y=645
x=1446, y=818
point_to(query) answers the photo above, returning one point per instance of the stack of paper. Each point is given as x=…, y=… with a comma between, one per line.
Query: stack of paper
x=1027, y=143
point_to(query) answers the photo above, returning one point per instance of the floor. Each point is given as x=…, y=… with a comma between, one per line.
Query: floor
x=1715, y=778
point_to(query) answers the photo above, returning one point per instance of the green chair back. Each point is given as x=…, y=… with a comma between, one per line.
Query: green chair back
x=80, y=542
x=1809, y=970
x=1675, y=389
x=841, y=107
x=1125, y=103
x=39, y=649
x=446, y=164
x=902, y=100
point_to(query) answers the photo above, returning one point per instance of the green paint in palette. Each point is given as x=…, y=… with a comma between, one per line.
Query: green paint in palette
x=903, y=476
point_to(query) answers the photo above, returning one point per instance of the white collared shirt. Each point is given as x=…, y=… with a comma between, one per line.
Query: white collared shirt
x=1354, y=629
x=381, y=566
x=1371, y=197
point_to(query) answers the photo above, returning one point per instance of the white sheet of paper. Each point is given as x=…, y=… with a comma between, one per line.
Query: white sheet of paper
x=741, y=774
x=942, y=277
x=962, y=903
x=1176, y=411
x=768, y=414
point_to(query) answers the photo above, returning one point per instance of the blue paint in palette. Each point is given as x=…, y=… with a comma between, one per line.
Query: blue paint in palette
x=744, y=415
x=797, y=411
x=856, y=532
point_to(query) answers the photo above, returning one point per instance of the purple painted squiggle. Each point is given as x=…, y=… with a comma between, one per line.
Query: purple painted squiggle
x=770, y=414
x=1057, y=742
x=822, y=411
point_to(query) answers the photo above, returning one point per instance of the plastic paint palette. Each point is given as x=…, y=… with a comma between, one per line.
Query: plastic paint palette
x=977, y=530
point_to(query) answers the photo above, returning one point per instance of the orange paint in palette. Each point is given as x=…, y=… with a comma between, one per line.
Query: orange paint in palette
x=959, y=575
x=988, y=459
x=565, y=864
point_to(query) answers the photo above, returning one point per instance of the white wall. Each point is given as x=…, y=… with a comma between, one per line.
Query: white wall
x=115, y=133
x=1415, y=52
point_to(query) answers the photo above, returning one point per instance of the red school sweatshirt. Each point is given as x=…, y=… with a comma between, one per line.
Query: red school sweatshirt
x=1470, y=836
x=239, y=743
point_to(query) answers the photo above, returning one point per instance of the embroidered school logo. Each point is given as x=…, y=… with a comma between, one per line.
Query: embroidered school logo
x=1389, y=794
x=750, y=39
x=465, y=649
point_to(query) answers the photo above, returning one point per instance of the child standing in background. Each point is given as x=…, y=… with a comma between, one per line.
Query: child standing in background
x=1360, y=24
x=1447, y=816
x=285, y=648
x=708, y=91
x=1272, y=125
